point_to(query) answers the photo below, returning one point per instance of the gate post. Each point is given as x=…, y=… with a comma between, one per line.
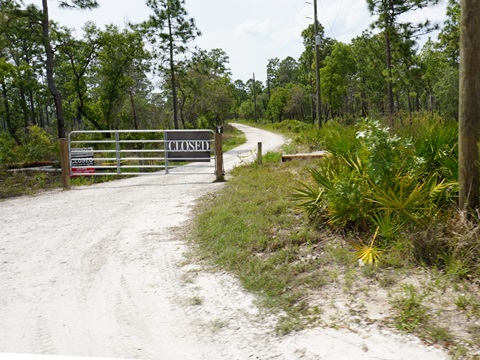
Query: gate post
x=117, y=152
x=219, y=154
x=259, y=153
x=65, y=163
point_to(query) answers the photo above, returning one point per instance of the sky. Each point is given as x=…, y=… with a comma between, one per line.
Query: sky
x=250, y=31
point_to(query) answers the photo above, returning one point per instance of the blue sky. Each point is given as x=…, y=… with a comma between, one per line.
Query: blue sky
x=250, y=31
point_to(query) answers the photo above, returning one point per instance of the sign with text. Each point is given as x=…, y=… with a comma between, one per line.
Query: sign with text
x=188, y=146
x=81, y=157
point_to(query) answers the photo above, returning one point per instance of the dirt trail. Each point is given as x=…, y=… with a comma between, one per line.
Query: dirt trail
x=99, y=271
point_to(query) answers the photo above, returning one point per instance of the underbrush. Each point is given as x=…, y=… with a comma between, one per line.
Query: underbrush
x=378, y=196
x=392, y=190
x=309, y=274
x=27, y=183
x=33, y=146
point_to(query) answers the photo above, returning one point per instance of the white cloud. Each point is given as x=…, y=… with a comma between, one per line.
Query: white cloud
x=254, y=27
x=250, y=31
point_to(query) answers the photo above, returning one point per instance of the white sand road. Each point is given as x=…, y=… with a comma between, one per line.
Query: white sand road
x=99, y=271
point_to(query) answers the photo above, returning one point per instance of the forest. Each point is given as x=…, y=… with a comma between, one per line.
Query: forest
x=149, y=76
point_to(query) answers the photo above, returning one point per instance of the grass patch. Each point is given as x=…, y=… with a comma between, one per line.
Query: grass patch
x=195, y=300
x=232, y=137
x=27, y=183
x=411, y=313
x=254, y=230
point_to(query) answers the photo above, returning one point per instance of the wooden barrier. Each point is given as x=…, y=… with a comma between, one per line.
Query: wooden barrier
x=314, y=155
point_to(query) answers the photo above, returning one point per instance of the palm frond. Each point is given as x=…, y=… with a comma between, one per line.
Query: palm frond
x=368, y=254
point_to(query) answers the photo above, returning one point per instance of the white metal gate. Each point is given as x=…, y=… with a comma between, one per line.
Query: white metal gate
x=141, y=152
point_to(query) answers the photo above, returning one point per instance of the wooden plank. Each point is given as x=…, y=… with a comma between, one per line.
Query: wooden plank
x=314, y=155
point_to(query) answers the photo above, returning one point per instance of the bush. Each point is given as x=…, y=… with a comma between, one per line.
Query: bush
x=378, y=180
x=339, y=140
x=7, y=149
x=339, y=193
x=294, y=126
x=40, y=146
x=36, y=145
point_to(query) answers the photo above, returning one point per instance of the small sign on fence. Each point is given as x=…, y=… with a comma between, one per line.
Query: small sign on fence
x=188, y=146
x=81, y=157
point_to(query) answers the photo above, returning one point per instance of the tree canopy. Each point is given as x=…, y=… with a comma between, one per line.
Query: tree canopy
x=149, y=74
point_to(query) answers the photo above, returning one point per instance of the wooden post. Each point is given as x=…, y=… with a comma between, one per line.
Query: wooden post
x=65, y=163
x=469, y=108
x=259, y=154
x=317, y=64
x=219, y=154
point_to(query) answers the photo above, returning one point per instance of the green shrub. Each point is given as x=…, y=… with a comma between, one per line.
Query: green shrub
x=35, y=145
x=337, y=139
x=40, y=146
x=339, y=193
x=438, y=147
x=376, y=180
x=294, y=126
x=7, y=149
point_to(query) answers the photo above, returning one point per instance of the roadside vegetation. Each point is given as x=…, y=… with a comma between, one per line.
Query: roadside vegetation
x=368, y=235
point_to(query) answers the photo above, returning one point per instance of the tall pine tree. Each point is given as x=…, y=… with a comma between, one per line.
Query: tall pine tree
x=57, y=98
x=170, y=31
x=388, y=12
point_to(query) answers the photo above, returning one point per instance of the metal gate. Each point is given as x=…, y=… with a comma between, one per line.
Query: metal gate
x=141, y=152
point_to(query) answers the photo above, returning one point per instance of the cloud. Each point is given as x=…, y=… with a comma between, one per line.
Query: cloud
x=344, y=20
x=252, y=27
x=435, y=14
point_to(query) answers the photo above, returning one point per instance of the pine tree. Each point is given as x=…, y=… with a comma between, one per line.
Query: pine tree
x=388, y=12
x=170, y=31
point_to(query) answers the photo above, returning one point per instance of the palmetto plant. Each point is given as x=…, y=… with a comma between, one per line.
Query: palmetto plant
x=387, y=222
x=338, y=191
x=413, y=199
x=368, y=253
x=382, y=183
x=438, y=147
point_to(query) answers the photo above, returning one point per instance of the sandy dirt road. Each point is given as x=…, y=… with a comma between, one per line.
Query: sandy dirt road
x=100, y=271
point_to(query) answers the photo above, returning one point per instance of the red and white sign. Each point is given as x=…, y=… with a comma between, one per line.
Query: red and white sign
x=81, y=157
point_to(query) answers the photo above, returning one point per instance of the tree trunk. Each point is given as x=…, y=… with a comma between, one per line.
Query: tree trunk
x=469, y=108
x=41, y=119
x=47, y=115
x=33, y=116
x=172, y=74
x=365, y=111
x=388, y=51
x=11, y=130
x=23, y=105
x=134, y=110
x=57, y=98
x=32, y=107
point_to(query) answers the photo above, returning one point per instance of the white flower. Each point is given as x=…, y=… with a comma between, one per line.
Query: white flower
x=419, y=160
